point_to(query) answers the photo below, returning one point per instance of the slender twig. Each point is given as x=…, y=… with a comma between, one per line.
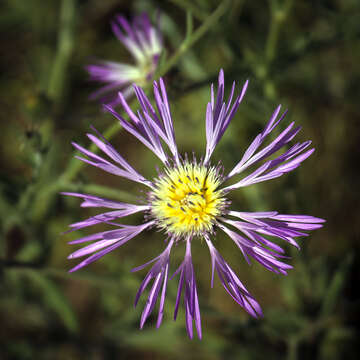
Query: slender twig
x=106, y=191
x=236, y=9
x=94, y=279
x=188, y=5
x=196, y=36
x=292, y=347
x=64, y=49
x=18, y=264
x=277, y=18
x=189, y=24
x=76, y=165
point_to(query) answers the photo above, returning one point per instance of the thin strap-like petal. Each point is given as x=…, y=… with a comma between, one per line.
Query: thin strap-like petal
x=191, y=302
x=119, y=238
x=219, y=114
x=231, y=282
x=158, y=272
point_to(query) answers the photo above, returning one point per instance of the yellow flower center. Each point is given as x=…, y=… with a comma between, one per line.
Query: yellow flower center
x=186, y=201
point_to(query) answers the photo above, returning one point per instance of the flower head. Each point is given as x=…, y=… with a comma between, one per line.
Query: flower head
x=186, y=199
x=189, y=199
x=144, y=42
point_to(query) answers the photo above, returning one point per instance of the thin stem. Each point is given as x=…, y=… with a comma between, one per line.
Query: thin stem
x=273, y=33
x=76, y=165
x=105, y=191
x=55, y=91
x=100, y=190
x=45, y=195
x=292, y=346
x=310, y=330
x=189, y=24
x=236, y=9
x=278, y=16
x=94, y=279
x=188, y=5
x=197, y=35
x=64, y=49
x=18, y=264
x=335, y=287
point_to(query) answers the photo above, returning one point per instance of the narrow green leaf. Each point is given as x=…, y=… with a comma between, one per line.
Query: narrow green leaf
x=54, y=298
x=336, y=286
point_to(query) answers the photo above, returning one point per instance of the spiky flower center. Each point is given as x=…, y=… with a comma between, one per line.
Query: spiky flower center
x=186, y=199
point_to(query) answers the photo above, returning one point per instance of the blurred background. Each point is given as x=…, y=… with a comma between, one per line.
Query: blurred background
x=302, y=54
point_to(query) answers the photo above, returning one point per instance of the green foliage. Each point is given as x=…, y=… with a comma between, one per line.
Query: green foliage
x=53, y=298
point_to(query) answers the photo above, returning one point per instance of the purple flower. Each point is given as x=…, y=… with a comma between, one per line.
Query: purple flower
x=144, y=42
x=189, y=200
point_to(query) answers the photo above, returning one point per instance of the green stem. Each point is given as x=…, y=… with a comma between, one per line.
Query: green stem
x=196, y=36
x=94, y=279
x=277, y=18
x=236, y=9
x=105, y=191
x=55, y=89
x=273, y=33
x=188, y=5
x=189, y=24
x=64, y=49
x=76, y=165
x=335, y=287
x=45, y=195
x=309, y=331
x=292, y=346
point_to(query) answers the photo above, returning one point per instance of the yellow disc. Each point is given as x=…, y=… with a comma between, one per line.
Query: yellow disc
x=186, y=199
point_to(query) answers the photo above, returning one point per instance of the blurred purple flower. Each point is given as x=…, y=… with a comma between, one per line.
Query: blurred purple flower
x=144, y=42
x=188, y=200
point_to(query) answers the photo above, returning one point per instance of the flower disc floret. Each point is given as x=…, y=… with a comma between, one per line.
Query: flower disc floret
x=186, y=199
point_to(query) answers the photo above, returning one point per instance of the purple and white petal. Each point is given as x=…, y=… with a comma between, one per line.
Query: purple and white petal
x=144, y=42
x=95, y=201
x=250, y=248
x=231, y=282
x=110, y=240
x=107, y=217
x=159, y=272
x=284, y=163
x=101, y=163
x=191, y=302
x=219, y=114
x=285, y=227
x=149, y=126
x=139, y=129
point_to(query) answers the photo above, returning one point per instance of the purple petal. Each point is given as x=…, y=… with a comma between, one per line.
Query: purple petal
x=232, y=284
x=159, y=272
x=127, y=234
x=191, y=303
x=220, y=114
